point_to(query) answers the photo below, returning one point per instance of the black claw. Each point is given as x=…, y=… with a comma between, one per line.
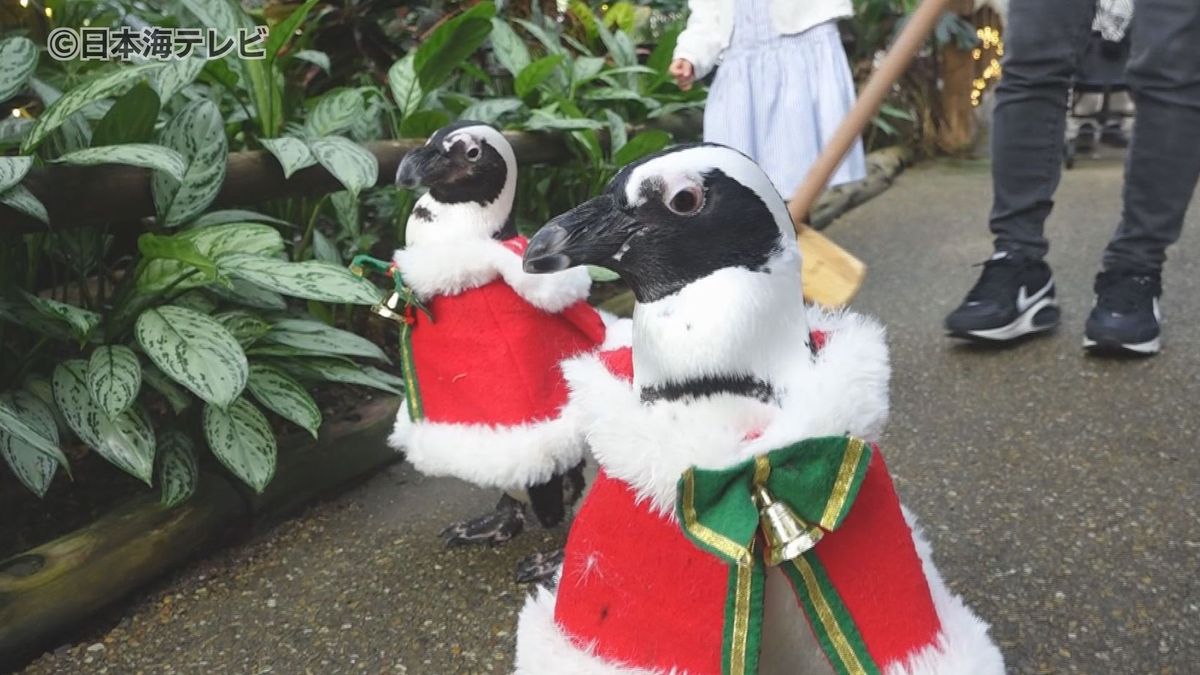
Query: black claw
x=539, y=567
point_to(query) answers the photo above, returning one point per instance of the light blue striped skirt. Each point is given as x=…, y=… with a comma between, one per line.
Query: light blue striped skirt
x=779, y=99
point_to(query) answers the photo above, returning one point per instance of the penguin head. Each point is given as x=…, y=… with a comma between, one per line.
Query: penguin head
x=470, y=172
x=671, y=219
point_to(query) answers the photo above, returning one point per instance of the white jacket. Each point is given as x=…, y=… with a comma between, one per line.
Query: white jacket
x=710, y=26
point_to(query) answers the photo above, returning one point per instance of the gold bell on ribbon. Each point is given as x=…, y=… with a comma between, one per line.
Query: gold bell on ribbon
x=788, y=536
x=391, y=308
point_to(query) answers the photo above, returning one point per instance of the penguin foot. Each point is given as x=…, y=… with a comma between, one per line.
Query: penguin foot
x=497, y=527
x=539, y=567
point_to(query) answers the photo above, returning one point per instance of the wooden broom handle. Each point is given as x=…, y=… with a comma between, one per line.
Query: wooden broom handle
x=920, y=25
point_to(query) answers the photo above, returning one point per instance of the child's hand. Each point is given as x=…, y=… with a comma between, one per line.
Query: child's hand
x=683, y=72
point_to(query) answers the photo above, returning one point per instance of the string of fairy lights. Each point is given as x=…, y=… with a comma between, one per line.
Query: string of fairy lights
x=987, y=61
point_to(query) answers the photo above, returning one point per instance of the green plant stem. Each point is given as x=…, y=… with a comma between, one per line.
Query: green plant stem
x=298, y=255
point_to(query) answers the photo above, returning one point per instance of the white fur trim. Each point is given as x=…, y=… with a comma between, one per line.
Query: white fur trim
x=543, y=649
x=963, y=647
x=842, y=390
x=618, y=332
x=506, y=457
x=449, y=268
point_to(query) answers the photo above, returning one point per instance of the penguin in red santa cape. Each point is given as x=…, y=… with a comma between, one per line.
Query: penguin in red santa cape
x=486, y=395
x=743, y=520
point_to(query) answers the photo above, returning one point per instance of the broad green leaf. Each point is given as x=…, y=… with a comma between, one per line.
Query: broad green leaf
x=311, y=280
x=75, y=131
x=237, y=216
x=175, y=395
x=490, y=110
x=406, y=88
x=282, y=31
x=325, y=250
x=13, y=170
x=551, y=42
x=282, y=394
x=585, y=68
x=664, y=50
x=195, y=351
x=315, y=57
x=535, y=74
x=135, y=154
x=21, y=199
x=242, y=440
x=30, y=420
x=617, y=133
x=245, y=327
x=197, y=133
x=387, y=379
x=80, y=97
x=247, y=294
x=197, y=301
x=179, y=471
x=176, y=75
x=644, y=143
x=618, y=44
x=18, y=60
x=13, y=130
x=336, y=370
x=619, y=94
x=319, y=337
x=542, y=119
x=178, y=248
x=349, y=162
x=423, y=123
x=224, y=15
x=335, y=112
x=345, y=207
x=31, y=465
x=450, y=44
x=293, y=154
x=210, y=242
x=131, y=118
x=267, y=349
x=81, y=321
x=114, y=378
x=508, y=48
x=127, y=441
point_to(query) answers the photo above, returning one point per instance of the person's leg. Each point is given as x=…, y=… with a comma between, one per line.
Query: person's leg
x=1043, y=42
x=1163, y=162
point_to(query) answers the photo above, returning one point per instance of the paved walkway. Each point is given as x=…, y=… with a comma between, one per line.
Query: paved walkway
x=1060, y=491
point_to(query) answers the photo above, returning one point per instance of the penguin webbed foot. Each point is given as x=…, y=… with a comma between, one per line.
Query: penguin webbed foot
x=539, y=567
x=506, y=521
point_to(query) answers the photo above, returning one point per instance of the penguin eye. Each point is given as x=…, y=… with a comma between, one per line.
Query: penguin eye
x=687, y=201
x=473, y=153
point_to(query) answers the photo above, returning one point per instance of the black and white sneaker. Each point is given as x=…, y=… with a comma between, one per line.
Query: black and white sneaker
x=1126, y=316
x=1013, y=297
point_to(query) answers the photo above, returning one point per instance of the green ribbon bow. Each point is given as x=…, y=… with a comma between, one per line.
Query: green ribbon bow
x=406, y=296
x=818, y=479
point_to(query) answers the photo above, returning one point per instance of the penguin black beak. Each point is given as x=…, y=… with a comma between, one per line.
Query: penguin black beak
x=414, y=166
x=593, y=233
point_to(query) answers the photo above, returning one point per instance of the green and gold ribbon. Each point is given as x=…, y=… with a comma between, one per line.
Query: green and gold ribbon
x=406, y=296
x=818, y=479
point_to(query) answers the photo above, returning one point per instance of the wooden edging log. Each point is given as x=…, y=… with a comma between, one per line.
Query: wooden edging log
x=49, y=589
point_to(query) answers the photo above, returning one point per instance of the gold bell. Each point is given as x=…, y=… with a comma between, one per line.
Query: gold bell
x=787, y=535
x=388, y=308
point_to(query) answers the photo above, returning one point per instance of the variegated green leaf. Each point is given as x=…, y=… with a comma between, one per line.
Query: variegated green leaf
x=282, y=394
x=179, y=471
x=618, y=135
x=317, y=58
x=21, y=199
x=311, y=280
x=210, y=243
x=175, y=395
x=242, y=440
x=345, y=208
x=145, y=155
x=508, y=48
x=176, y=75
x=18, y=60
x=31, y=465
x=325, y=250
x=536, y=73
x=245, y=327
x=197, y=133
x=406, y=89
x=195, y=351
x=197, y=301
x=30, y=420
x=335, y=112
x=223, y=15
x=350, y=163
x=127, y=441
x=318, y=337
x=80, y=97
x=247, y=294
x=491, y=109
x=337, y=370
x=80, y=320
x=226, y=216
x=13, y=170
x=585, y=68
x=293, y=154
x=114, y=378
